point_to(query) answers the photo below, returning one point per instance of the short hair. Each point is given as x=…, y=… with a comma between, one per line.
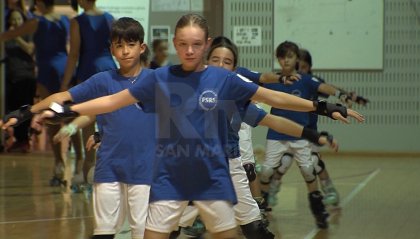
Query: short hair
x=127, y=29
x=144, y=57
x=225, y=43
x=286, y=47
x=48, y=3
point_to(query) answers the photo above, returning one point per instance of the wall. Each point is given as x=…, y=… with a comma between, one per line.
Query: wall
x=393, y=116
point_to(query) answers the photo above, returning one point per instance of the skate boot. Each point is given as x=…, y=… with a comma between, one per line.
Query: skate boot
x=331, y=196
x=273, y=189
x=264, y=209
x=76, y=183
x=318, y=209
x=196, y=230
x=87, y=190
x=58, y=178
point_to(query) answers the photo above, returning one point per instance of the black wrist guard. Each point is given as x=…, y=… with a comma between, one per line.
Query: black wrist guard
x=330, y=138
x=22, y=114
x=97, y=137
x=311, y=135
x=61, y=113
x=327, y=109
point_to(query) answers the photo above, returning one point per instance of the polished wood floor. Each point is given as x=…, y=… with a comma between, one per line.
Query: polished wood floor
x=380, y=199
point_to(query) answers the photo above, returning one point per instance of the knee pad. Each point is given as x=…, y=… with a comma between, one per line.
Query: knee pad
x=175, y=234
x=308, y=173
x=266, y=174
x=250, y=171
x=318, y=163
x=256, y=230
x=103, y=237
x=285, y=162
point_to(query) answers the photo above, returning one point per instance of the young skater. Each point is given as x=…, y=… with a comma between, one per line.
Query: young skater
x=192, y=102
x=50, y=34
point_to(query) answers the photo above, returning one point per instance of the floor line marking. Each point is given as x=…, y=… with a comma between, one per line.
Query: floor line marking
x=44, y=220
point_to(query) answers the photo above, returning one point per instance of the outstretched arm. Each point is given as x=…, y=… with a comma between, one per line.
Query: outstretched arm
x=105, y=104
x=72, y=128
x=290, y=102
x=286, y=126
x=27, y=28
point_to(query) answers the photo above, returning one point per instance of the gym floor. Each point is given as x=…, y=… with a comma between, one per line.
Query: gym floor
x=380, y=198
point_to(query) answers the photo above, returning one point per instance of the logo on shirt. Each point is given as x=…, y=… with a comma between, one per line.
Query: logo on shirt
x=296, y=93
x=208, y=100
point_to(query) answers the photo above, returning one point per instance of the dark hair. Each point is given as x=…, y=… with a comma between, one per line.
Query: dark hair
x=157, y=42
x=144, y=57
x=127, y=29
x=9, y=15
x=286, y=47
x=305, y=56
x=193, y=19
x=226, y=43
x=221, y=39
x=48, y=3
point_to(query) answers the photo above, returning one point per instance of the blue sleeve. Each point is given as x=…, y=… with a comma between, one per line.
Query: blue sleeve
x=241, y=89
x=314, y=84
x=144, y=91
x=252, y=115
x=252, y=75
x=87, y=90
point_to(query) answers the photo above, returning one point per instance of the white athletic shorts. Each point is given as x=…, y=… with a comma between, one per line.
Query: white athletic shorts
x=275, y=149
x=113, y=202
x=164, y=216
x=246, y=210
x=245, y=144
x=315, y=148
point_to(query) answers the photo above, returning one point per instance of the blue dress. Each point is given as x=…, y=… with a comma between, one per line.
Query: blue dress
x=95, y=55
x=50, y=41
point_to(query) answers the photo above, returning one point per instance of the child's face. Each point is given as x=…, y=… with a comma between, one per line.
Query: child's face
x=15, y=19
x=304, y=67
x=162, y=50
x=222, y=57
x=127, y=53
x=288, y=62
x=190, y=44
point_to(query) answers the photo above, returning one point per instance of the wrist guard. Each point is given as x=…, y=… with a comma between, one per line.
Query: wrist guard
x=313, y=136
x=22, y=114
x=327, y=109
x=61, y=112
x=97, y=137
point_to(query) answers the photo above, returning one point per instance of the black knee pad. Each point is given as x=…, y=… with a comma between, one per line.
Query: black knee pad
x=103, y=237
x=256, y=230
x=318, y=163
x=175, y=234
x=250, y=171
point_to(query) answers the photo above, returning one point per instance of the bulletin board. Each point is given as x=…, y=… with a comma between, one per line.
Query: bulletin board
x=340, y=34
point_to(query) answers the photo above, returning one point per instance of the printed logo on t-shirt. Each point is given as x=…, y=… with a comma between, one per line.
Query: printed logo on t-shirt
x=208, y=100
x=296, y=93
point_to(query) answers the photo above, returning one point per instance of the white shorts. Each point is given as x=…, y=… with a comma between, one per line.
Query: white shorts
x=113, y=202
x=275, y=149
x=164, y=216
x=245, y=144
x=246, y=210
x=315, y=148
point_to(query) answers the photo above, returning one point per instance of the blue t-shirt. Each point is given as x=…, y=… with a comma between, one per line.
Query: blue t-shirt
x=126, y=152
x=305, y=88
x=313, y=118
x=252, y=75
x=252, y=115
x=192, y=110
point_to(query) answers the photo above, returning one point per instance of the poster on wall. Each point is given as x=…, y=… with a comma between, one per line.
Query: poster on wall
x=137, y=9
x=247, y=35
x=160, y=32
